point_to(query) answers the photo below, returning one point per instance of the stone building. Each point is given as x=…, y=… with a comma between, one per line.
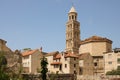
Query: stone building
x=3, y=46
x=70, y=63
x=86, y=66
x=31, y=61
x=14, y=59
x=112, y=60
x=96, y=46
x=63, y=63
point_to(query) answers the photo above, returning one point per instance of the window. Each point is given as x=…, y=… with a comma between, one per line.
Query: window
x=118, y=67
x=74, y=58
x=74, y=65
x=75, y=17
x=59, y=60
x=60, y=68
x=75, y=72
x=55, y=66
x=110, y=62
x=118, y=60
x=65, y=59
x=109, y=56
x=69, y=17
x=72, y=17
x=95, y=64
x=65, y=65
x=80, y=71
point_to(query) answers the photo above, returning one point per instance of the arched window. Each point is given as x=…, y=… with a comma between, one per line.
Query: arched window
x=69, y=17
x=75, y=18
x=72, y=17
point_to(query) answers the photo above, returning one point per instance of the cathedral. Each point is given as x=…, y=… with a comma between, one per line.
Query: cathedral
x=94, y=45
x=82, y=57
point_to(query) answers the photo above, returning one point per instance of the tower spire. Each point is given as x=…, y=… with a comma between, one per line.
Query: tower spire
x=72, y=10
x=72, y=32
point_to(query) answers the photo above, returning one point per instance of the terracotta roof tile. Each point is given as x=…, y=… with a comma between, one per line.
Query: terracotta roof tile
x=55, y=63
x=95, y=39
x=70, y=55
x=26, y=53
x=57, y=56
x=52, y=53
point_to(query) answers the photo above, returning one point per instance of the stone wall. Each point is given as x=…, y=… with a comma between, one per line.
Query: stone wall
x=98, y=77
x=49, y=76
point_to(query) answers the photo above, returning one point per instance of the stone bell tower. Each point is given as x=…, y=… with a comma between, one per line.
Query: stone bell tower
x=72, y=32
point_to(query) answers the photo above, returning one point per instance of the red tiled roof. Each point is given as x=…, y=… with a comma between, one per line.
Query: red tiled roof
x=55, y=63
x=26, y=53
x=95, y=39
x=70, y=55
x=57, y=56
x=52, y=53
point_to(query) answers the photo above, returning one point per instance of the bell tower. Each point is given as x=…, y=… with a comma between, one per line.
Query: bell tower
x=72, y=32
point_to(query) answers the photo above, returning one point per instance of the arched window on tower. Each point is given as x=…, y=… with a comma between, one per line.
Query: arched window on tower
x=72, y=17
x=75, y=18
x=69, y=17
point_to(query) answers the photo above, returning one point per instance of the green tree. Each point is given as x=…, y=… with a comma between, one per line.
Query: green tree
x=113, y=72
x=44, y=68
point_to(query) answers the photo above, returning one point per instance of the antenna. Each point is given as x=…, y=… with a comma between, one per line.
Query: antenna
x=72, y=2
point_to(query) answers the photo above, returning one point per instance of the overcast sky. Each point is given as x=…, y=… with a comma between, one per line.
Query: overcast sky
x=36, y=23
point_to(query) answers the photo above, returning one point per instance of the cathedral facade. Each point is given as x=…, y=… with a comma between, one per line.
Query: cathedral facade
x=94, y=45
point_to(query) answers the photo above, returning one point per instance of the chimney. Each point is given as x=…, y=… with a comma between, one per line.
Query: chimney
x=40, y=49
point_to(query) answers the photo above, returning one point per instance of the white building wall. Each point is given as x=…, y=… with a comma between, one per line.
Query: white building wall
x=30, y=63
x=65, y=61
x=26, y=61
x=111, y=62
x=50, y=60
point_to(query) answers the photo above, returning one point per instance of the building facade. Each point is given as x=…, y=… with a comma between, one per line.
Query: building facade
x=63, y=63
x=96, y=46
x=86, y=66
x=112, y=61
x=31, y=61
